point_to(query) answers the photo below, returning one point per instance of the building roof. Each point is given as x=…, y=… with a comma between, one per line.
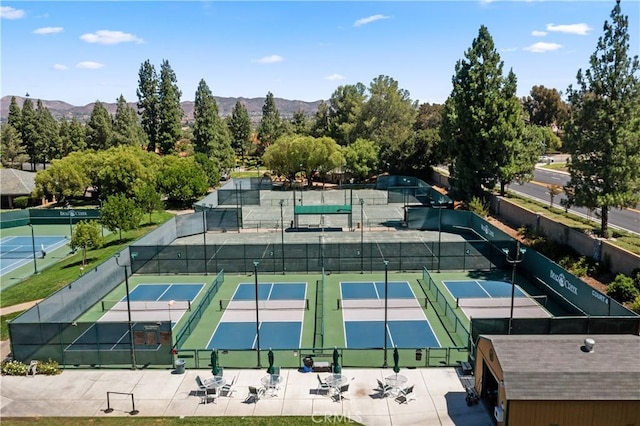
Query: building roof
x=559, y=367
x=16, y=182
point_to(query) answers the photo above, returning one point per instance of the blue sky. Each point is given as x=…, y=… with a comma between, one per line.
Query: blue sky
x=79, y=52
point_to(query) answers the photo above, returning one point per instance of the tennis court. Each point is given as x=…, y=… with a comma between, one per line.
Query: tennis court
x=280, y=308
x=17, y=251
x=363, y=315
x=492, y=299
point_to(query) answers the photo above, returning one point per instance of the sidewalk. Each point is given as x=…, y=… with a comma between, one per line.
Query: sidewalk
x=440, y=396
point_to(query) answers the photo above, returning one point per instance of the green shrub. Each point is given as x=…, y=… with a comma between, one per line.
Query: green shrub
x=14, y=368
x=635, y=275
x=479, y=206
x=635, y=305
x=17, y=368
x=21, y=202
x=622, y=289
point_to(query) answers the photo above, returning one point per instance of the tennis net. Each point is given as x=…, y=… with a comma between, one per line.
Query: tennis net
x=492, y=302
x=415, y=303
x=119, y=305
x=275, y=305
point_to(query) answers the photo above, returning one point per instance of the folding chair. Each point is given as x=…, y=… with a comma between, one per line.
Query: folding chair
x=207, y=392
x=383, y=389
x=254, y=394
x=406, y=395
x=322, y=385
x=344, y=389
x=228, y=389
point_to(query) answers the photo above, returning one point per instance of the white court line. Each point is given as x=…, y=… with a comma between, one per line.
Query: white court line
x=483, y=289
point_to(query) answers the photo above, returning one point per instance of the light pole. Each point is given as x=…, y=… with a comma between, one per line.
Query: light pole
x=514, y=262
x=361, y=236
x=101, y=225
x=173, y=360
x=386, y=286
x=71, y=214
x=126, y=283
x=255, y=274
x=282, y=233
x=33, y=247
x=439, y=203
x=204, y=237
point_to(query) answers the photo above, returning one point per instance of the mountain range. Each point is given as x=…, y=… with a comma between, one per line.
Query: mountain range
x=61, y=109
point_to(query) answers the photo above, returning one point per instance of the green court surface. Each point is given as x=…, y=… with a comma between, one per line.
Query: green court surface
x=323, y=327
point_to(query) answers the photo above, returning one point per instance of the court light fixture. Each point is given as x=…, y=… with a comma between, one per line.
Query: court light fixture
x=131, y=340
x=386, y=292
x=519, y=257
x=255, y=274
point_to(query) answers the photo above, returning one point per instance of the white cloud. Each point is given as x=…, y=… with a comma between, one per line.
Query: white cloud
x=7, y=12
x=579, y=29
x=59, y=67
x=537, y=33
x=541, y=47
x=270, y=59
x=369, y=19
x=110, y=37
x=48, y=30
x=334, y=77
x=89, y=65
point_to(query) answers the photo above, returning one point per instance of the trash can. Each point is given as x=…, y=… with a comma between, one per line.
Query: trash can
x=179, y=366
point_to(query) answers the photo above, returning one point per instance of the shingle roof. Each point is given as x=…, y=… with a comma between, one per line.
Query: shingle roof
x=556, y=367
x=16, y=182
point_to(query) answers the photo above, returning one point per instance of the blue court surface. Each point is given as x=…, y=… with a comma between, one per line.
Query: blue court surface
x=375, y=290
x=413, y=332
x=149, y=292
x=18, y=251
x=478, y=289
x=405, y=334
x=271, y=291
x=273, y=334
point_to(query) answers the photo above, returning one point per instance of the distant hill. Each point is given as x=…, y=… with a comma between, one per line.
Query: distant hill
x=60, y=109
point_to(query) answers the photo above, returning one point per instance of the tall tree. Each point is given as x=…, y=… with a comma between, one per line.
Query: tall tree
x=270, y=127
x=482, y=122
x=15, y=115
x=170, y=111
x=121, y=213
x=387, y=117
x=126, y=128
x=211, y=135
x=300, y=123
x=99, y=129
x=48, y=131
x=545, y=107
x=361, y=158
x=321, y=121
x=148, y=103
x=72, y=137
x=12, y=151
x=424, y=148
x=28, y=132
x=603, y=134
x=346, y=105
x=240, y=128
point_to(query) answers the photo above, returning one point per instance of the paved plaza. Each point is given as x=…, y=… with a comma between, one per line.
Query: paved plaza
x=439, y=396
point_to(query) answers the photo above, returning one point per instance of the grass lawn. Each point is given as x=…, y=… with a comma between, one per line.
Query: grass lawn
x=556, y=166
x=66, y=271
x=171, y=421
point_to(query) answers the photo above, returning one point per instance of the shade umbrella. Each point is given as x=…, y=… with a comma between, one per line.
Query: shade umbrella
x=396, y=360
x=271, y=369
x=215, y=369
x=336, y=361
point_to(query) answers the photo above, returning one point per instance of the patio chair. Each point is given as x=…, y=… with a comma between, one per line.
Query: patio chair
x=322, y=385
x=228, y=389
x=406, y=395
x=383, y=389
x=254, y=394
x=339, y=396
x=207, y=392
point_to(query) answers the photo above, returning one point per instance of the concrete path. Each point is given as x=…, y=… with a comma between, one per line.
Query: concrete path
x=440, y=396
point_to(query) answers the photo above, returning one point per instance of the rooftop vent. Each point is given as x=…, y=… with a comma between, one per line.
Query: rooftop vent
x=589, y=344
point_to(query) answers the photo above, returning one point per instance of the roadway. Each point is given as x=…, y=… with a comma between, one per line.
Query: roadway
x=628, y=219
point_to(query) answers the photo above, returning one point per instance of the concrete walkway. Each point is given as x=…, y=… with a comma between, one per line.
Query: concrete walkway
x=440, y=396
